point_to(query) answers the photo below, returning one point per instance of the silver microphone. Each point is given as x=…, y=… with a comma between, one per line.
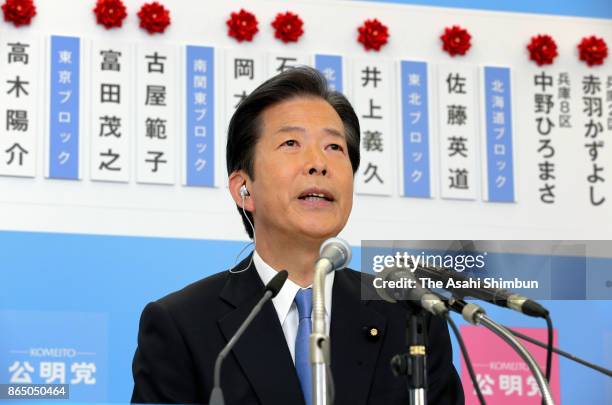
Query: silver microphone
x=334, y=254
x=418, y=294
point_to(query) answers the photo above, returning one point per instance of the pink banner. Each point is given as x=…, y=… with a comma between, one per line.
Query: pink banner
x=504, y=378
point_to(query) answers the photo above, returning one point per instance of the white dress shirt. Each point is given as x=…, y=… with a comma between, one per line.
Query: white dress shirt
x=284, y=301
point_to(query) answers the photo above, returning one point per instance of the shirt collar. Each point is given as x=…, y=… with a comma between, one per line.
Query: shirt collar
x=284, y=299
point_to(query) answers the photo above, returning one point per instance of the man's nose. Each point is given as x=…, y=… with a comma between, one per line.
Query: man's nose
x=316, y=161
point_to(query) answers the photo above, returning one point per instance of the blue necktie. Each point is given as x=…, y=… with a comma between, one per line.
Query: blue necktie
x=303, y=300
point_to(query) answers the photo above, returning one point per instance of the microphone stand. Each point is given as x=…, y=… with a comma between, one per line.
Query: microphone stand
x=335, y=253
x=475, y=315
x=319, y=341
x=272, y=289
x=413, y=365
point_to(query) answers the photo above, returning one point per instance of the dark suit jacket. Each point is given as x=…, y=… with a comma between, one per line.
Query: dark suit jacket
x=181, y=334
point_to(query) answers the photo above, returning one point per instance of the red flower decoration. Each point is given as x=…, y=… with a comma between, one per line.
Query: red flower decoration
x=373, y=34
x=542, y=50
x=110, y=13
x=456, y=40
x=19, y=12
x=593, y=50
x=154, y=17
x=242, y=25
x=288, y=27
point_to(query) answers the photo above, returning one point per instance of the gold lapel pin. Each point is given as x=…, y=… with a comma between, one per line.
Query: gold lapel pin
x=371, y=332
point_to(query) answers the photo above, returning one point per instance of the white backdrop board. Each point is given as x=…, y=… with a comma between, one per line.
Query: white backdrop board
x=167, y=203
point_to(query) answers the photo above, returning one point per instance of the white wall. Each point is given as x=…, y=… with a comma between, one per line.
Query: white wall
x=499, y=39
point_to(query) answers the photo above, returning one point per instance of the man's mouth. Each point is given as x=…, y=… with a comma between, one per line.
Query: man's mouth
x=316, y=195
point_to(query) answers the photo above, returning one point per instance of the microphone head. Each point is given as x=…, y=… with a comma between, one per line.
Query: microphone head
x=383, y=292
x=277, y=282
x=399, y=293
x=337, y=251
x=414, y=294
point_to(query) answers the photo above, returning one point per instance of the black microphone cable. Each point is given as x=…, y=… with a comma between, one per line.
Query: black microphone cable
x=565, y=354
x=549, y=327
x=466, y=357
x=549, y=349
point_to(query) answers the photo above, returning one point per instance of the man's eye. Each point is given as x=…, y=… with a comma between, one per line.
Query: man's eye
x=290, y=142
x=335, y=146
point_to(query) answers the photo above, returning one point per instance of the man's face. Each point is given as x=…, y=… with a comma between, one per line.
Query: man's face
x=303, y=176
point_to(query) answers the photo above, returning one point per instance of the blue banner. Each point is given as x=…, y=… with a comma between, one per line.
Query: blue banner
x=56, y=347
x=500, y=163
x=64, y=108
x=200, y=82
x=48, y=301
x=415, y=129
x=331, y=67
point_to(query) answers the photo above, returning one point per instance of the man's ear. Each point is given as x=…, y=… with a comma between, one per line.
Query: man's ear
x=238, y=179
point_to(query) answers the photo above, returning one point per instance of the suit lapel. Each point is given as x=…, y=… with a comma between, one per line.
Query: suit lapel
x=262, y=351
x=353, y=354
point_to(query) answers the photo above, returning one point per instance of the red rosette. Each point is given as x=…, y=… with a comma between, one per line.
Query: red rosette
x=288, y=27
x=593, y=50
x=542, y=49
x=154, y=17
x=373, y=34
x=456, y=40
x=19, y=12
x=110, y=13
x=242, y=25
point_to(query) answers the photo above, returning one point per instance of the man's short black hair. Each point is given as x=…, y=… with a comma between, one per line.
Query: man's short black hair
x=245, y=126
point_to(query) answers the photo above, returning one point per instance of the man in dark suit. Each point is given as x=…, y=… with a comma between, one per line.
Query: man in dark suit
x=293, y=149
